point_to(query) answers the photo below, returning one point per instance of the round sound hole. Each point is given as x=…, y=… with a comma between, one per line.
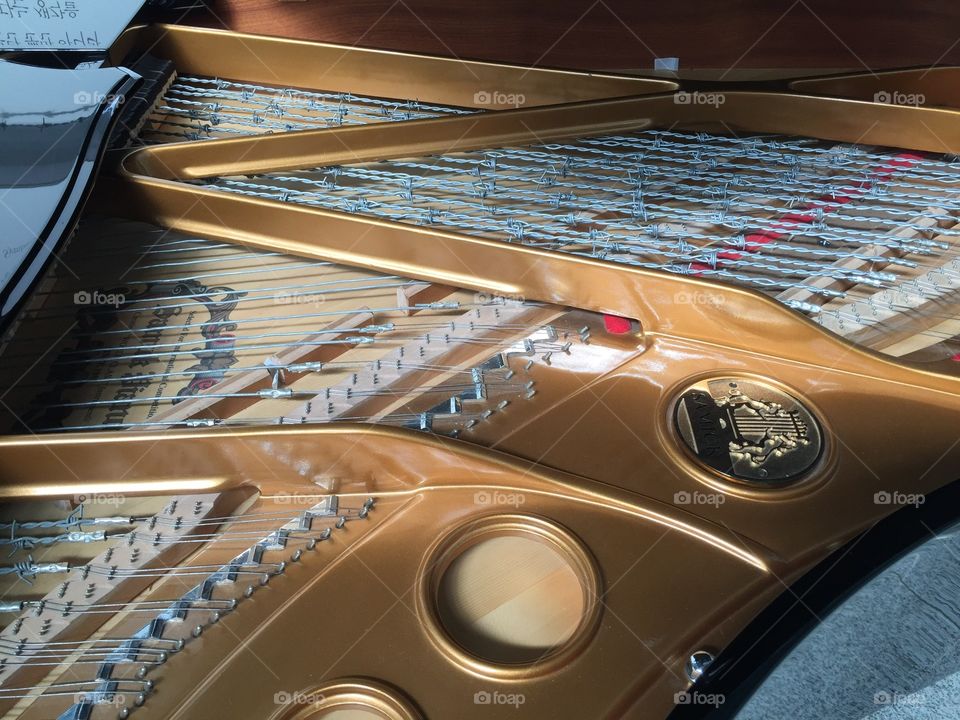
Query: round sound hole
x=513, y=594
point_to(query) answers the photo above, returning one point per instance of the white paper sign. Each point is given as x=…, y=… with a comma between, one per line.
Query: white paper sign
x=64, y=24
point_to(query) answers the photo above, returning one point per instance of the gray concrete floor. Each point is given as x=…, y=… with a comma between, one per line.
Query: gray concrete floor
x=891, y=652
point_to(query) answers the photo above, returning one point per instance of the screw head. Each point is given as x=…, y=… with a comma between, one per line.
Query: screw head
x=697, y=664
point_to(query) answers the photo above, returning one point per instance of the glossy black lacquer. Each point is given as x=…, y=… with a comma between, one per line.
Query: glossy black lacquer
x=53, y=127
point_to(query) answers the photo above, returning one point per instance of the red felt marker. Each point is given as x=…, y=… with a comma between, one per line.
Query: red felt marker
x=616, y=325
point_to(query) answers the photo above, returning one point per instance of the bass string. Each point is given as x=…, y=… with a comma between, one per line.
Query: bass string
x=378, y=329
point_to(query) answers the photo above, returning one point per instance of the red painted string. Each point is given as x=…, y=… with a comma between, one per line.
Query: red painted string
x=828, y=204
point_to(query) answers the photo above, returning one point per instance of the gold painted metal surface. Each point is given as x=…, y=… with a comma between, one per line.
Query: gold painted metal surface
x=739, y=319
x=596, y=466
x=427, y=489
x=379, y=73
x=428, y=492
x=918, y=128
x=744, y=319
x=932, y=86
x=745, y=332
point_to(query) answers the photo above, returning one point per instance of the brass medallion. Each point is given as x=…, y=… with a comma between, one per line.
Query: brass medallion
x=748, y=430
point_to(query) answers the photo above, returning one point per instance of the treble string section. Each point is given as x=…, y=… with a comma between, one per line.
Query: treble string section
x=645, y=196
x=859, y=238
